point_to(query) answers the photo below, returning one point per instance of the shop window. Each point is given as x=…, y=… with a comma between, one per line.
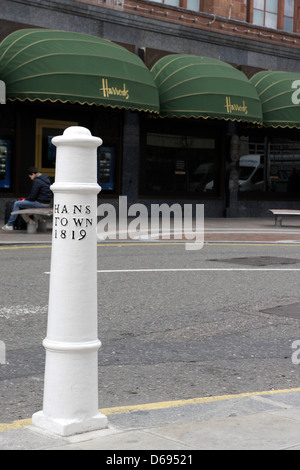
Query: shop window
x=104, y=123
x=45, y=151
x=275, y=171
x=5, y=163
x=181, y=165
x=106, y=161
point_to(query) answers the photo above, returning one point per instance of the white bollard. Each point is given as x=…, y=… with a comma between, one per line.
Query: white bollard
x=71, y=371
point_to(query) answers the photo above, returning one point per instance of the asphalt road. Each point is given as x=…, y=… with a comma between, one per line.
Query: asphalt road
x=174, y=324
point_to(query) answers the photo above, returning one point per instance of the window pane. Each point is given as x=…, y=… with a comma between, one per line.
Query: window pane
x=271, y=20
x=272, y=6
x=193, y=5
x=258, y=17
x=288, y=24
x=179, y=164
x=289, y=8
x=259, y=4
x=174, y=3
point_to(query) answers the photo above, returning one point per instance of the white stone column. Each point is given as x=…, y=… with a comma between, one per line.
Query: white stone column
x=71, y=371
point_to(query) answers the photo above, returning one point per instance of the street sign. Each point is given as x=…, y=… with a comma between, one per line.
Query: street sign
x=2, y=92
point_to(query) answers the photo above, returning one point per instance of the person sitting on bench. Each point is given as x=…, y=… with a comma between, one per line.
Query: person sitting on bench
x=40, y=196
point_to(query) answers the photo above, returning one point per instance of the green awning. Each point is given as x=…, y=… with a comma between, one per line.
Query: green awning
x=279, y=93
x=202, y=87
x=41, y=64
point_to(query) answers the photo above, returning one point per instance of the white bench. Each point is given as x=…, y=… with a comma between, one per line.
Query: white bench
x=280, y=213
x=39, y=219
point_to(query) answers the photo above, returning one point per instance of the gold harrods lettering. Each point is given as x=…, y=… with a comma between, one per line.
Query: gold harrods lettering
x=235, y=107
x=108, y=91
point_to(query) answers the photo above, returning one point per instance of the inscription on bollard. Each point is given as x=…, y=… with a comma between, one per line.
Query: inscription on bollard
x=72, y=222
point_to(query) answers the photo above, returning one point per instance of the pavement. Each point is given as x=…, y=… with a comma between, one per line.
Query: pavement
x=216, y=230
x=264, y=420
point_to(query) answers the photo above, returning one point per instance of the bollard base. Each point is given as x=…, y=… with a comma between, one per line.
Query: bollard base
x=67, y=427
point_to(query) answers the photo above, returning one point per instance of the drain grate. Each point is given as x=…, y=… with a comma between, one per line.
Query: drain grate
x=290, y=311
x=259, y=260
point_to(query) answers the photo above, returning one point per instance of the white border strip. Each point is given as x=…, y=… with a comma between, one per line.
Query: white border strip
x=153, y=270
x=170, y=270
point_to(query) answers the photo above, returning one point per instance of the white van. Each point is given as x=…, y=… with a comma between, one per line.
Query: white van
x=254, y=175
x=251, y=173
x=277, y=173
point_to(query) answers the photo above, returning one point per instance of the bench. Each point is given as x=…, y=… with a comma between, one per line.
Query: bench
x=36, y=219
x=280, y=213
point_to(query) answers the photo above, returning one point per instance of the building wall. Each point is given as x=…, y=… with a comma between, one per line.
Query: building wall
x=231, y=40
x=151, y=30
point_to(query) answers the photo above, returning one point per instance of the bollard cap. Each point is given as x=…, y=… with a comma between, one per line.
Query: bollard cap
x=76, y=158
x=76, y=130
x=77, y=134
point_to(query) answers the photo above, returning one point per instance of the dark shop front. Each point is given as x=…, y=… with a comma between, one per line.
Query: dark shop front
x=189, y=129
